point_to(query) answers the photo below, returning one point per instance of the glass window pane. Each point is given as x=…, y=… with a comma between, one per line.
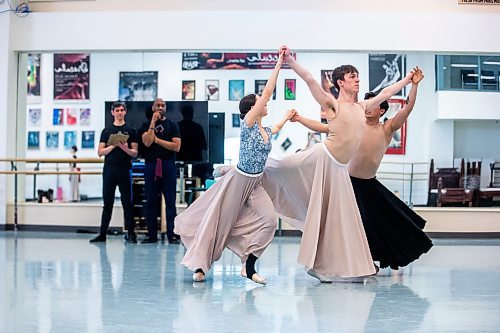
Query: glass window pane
x=458, y=72
x=490, y=72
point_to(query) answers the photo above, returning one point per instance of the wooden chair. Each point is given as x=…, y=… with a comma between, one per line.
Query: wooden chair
x=445, y=186
x=495, y=174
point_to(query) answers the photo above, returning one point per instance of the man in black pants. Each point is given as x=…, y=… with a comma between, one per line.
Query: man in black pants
x=116, y=171
x=162, y=140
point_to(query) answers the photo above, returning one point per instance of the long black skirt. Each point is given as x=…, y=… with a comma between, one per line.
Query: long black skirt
x=394, y=231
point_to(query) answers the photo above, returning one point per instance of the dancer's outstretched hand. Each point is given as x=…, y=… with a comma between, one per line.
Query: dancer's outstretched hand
x=418, y=75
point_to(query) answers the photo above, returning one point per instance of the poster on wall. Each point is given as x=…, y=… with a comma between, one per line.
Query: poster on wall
x=212, y=90
x=236, y=89
x=385, y=70
x=236, y=120
x=71, y=116
x=327, y=82
x=33, y=140
x=259, y=88
x=138, y=86
x=69, y=139
x=88, y=139
x=188, y=90
x=398, y=141
x=34, y=117
x=34, y=60
x=230, y=60
x=52, y=140
x=290, y=89
x=58, y=117
x=84, y=117
x=72, y=76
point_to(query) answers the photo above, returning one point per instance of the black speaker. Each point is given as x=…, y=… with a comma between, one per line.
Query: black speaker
x=216, y=137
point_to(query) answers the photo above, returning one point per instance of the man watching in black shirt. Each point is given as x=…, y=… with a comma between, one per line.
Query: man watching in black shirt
x=161, y=139
x=116, y=171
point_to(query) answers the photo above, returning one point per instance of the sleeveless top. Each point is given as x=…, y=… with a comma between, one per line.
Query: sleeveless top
x=253, y=149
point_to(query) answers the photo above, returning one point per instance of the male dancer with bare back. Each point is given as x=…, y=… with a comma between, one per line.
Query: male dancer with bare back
x=312, y=189
x=393, y=230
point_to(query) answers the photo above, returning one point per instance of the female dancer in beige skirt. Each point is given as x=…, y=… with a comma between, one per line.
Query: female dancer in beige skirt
x=312, y=189
x=235, y=212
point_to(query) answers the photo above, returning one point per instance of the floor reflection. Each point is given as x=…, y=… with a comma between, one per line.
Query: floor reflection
x=61, y=283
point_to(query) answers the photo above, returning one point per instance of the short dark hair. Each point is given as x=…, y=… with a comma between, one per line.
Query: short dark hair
x=116, y=104
x=246, y=104
x=383, y=106
x=339, y=73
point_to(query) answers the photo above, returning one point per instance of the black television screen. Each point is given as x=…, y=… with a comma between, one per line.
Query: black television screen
x=194, y=134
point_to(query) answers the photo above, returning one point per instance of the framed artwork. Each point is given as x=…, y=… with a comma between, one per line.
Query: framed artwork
x=236, y=120
x=398, y=141
x=286, y=144
x=259, y=88
x=212, y=90
x=188, y=90
x=230, y=60
x=138, y=86
x=327, y=82
x=58, y=117
x=33, y=140
x=34, y=60
x=71, y=76
x=385, y=70
x=88, y=139
x=236, y=89
x=71, y=116
x=52, y=140
x=35, y=117
x=69, y=139
x=84, y=117
x=290, y=89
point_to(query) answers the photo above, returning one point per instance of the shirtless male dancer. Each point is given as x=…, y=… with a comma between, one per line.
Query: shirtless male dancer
x=312, y=189
x=393, y=230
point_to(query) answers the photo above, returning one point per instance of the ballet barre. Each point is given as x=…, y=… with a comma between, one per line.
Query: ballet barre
x=14, y=171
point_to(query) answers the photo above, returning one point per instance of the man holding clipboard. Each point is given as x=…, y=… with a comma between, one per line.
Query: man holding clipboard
x=118, y=144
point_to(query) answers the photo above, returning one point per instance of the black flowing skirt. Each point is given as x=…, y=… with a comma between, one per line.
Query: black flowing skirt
x=394, y=231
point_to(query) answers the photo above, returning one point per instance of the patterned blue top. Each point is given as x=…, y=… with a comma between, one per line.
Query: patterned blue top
x=253, y=149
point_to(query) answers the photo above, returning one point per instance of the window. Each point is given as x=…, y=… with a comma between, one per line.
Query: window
x=464, y=72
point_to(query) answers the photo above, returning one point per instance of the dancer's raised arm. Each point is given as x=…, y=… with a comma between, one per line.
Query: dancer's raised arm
x=259, y=108
x=326, y=100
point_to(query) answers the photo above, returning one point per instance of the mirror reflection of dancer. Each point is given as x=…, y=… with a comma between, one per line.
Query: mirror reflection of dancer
x=74, y=179
x=312, y=189
x=235, y=212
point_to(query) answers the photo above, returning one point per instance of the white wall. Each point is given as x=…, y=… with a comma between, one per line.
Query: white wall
x=468, y=105
x=421, y=26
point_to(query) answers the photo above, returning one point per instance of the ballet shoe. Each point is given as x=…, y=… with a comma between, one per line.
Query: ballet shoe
x=322, y=278
x=199, y=277
x=255, y=277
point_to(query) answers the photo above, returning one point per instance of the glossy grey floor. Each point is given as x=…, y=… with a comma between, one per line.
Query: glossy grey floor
x=57, y=282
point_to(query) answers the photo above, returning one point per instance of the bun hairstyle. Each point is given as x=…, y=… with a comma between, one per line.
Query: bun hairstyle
x=246, y=104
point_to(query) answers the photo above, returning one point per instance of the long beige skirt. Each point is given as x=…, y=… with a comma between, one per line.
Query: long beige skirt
x=235, y=213
x=312, y=192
